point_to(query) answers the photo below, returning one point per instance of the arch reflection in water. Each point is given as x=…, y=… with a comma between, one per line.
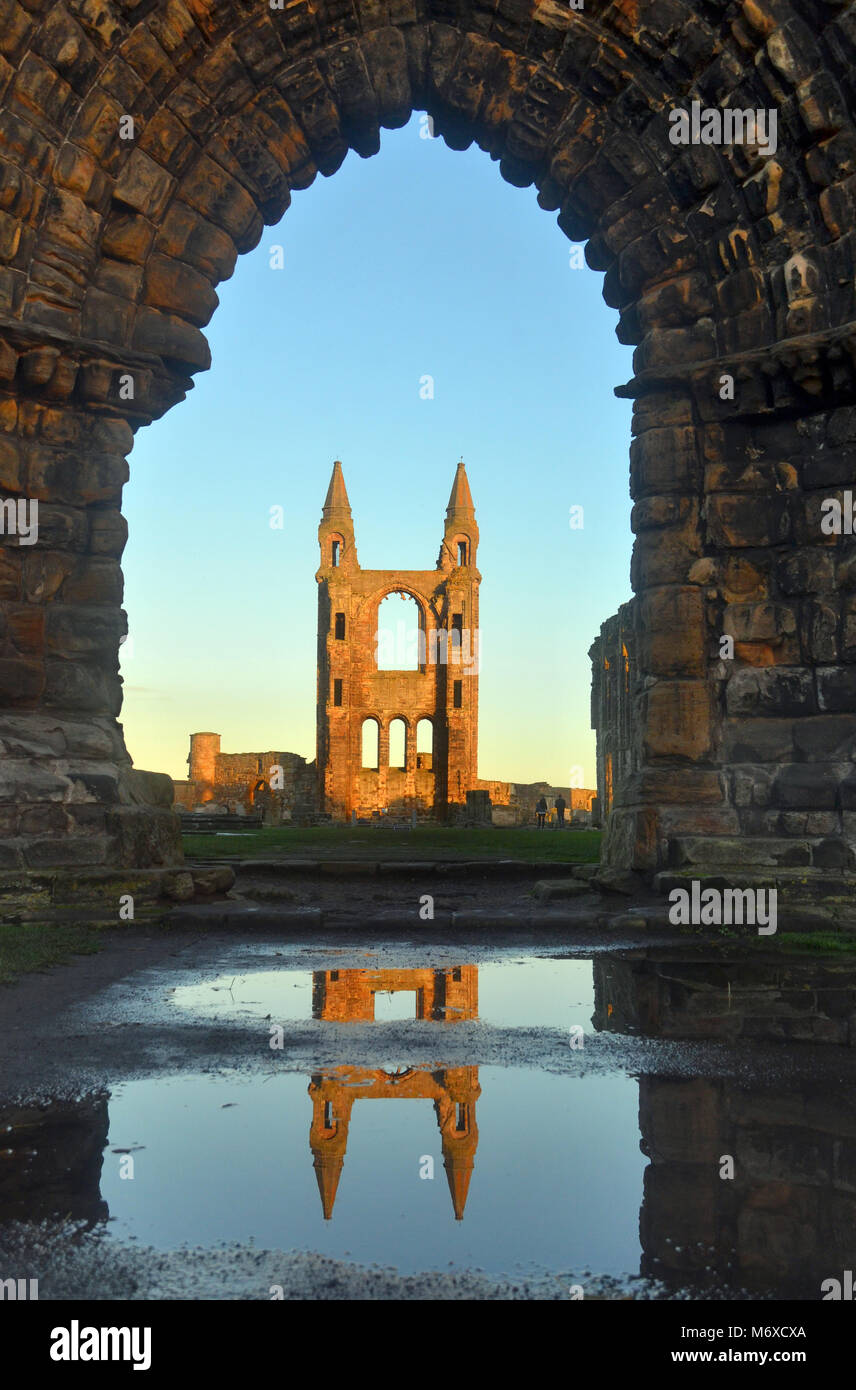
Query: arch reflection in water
x=454, y=1092
x=348, y=996
x=445, y=995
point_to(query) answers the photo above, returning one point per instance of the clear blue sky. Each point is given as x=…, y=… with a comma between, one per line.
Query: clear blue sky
x=419, y=261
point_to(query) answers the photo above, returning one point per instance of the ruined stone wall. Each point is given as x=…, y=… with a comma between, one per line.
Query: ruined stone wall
x=234, y=782
x=785, y=1218
x=787, y=1212
x=730, y=270
x=352, y=689
x=614, y=696
x=448, y=995
x=514, y=802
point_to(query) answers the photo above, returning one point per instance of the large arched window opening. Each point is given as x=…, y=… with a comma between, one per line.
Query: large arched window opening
x=370, y=744
x=398, y=744
x=400, y=526
x=424, y=745
x=399, y=634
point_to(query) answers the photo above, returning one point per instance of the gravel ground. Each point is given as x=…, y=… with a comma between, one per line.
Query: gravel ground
x=72, y=1265
x=111, y=1017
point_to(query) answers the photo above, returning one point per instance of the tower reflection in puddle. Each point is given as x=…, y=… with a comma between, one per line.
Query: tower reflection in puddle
x=348, y=996
x=345, y=996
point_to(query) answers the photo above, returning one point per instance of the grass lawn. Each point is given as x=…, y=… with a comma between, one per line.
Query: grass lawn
x=29, y=946
x=820, y=943
x=424, y=842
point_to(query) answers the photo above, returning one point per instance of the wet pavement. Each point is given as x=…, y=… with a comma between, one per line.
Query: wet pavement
x=497, y=1122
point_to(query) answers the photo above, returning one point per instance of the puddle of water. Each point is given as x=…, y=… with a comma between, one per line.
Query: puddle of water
x=484, y=1167
x=527, y=1166
x=532, y=992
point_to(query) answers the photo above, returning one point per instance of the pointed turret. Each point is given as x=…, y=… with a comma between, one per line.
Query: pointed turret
x=459, y=1134
x=328, y=1170
x=460, y=508
x=336, y=531
x=461, y=534
x=459, y=1170
x=336, y=500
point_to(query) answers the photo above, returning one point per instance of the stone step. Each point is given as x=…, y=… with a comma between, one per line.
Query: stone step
x=247, y=916
x=209, y=825
x=362, y=868
x=758, y=852
x=807, y=887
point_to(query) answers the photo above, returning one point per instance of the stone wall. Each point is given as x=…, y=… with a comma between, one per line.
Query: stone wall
x=441, y=690
x=785, y=1216
x=282, y=786
x=730, y=270
x=614, y=693
x=784, y=1220
x=668, y=996
x=514, y=802
x=232, y=781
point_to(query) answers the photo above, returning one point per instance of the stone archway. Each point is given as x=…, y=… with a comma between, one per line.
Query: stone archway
x=718, y=260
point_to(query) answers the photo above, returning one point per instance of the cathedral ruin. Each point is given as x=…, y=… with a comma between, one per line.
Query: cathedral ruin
x=440, y=692
x=396, y=723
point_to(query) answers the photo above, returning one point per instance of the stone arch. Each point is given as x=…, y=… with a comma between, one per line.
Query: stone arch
x=406, y=650
x=720, y=264
x=370, y=743
x=398, y=735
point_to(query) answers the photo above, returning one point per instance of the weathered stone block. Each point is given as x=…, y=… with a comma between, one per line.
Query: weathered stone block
x=759, y=622
x=171, y=338
x=826, y=738
x=22, y=681
x=108, y=531
x=836, y=689
x=94, y=581
x=72, y=686
x=773, y=690
x=678, y=722
x=140, y=788
x=819, y=619
x=24, y=780
x=809, y=571
x=220, y=199
x=750, y=788
x=672, y=634
x=127, y=236
x=174, y=286
x=72, y=851
x=735, y=520
x=758, y=741
x=143, y=185
x=673, y=785
x=663, y=461
x=665, y=556
x=806, y=786
x=83, y=630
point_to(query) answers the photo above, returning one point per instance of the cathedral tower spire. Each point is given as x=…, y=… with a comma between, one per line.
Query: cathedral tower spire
x=336, y=531
x=461, y=533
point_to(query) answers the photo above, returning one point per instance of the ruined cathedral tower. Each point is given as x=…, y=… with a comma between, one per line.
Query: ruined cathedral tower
x=432, y=699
